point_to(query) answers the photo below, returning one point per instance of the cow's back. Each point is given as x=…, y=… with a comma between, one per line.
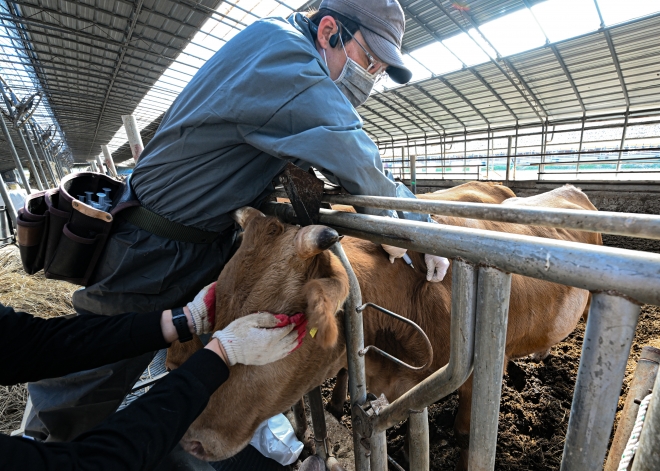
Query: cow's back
x=472, y=192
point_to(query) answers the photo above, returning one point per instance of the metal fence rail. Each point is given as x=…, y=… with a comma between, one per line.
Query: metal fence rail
x=620, y=278
x=625, y=224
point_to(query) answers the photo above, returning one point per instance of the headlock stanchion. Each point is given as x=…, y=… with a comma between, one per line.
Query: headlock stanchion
x=483, y=262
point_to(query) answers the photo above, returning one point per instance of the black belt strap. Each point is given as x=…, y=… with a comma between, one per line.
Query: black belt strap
x=151, y=222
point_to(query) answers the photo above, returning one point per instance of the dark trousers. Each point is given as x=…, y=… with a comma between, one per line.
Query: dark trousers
x=138, y=272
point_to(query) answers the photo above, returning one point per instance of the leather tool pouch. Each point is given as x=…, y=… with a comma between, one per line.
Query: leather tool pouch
x=63, y=235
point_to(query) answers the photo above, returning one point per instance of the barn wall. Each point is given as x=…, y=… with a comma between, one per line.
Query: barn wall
x=630, y=197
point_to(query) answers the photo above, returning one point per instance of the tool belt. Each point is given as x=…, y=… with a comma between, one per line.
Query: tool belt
x=63, y=231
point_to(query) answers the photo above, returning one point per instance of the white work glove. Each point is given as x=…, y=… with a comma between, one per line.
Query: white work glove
x=202, y=310
x=436, y=267
x=394, y=252
x=261, y=338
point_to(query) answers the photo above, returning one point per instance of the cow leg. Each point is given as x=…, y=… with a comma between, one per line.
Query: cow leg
x=540, y=356
x=462, y=423
x=336, y=405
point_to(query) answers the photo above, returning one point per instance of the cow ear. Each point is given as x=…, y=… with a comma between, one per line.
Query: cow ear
x=325, y=297
x=244, y=214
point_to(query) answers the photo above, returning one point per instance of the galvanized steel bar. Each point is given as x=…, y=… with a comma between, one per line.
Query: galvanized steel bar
x=647, y=457
x=318, y=422
x=494, y=289
x=14, y=154
x=108, y=161
x=354, y=333
x=633, y=225
x=40, y=145
x=451, y=376
x=418, y=435
x=33, y=167
x=635, y=274
x=133, y=134
x=9, y=205
x=607, y=341
x=33, y=149
x=643, y=380
x=378, y=456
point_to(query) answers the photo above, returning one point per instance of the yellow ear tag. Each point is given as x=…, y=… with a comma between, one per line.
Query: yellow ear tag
x=313, y=331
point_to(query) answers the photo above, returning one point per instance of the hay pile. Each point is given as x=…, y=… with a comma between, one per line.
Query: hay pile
x=36, y=295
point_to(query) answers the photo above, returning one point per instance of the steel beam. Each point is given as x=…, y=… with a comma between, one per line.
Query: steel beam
x=120, y=59
x=33, y=167
x=438, y=103
x=447, y=84
x=14, y=154
x=33, y=149
x=617, y=66
x=379, y=99
x=418, y=109
x=9, y=205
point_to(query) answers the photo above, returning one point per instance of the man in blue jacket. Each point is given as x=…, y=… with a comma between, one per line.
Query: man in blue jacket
x=280, y=91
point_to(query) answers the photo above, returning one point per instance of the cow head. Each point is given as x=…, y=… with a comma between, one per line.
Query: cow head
x=281, y=269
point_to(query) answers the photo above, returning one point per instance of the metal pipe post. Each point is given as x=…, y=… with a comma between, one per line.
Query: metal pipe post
x=451, y=376
x=133, y=134
x=9, y=205
x=508, y=161
x=14, y=154
x=353, y=330
x=318, y=423
x=648, y=453
x=413, y=173
x=607, y=341
x=378, y=456
x=623, y=142
x=33, y=167
x=418, y=434
x=33, y=149
x=99, y=162
x=645, y=374
x=490, y=341
x=108, y=161
x=44, y=154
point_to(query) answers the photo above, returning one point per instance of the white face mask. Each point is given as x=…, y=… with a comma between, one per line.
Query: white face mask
x=354, y=81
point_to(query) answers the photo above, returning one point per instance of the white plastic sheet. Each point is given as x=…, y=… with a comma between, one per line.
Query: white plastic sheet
x=276, y=439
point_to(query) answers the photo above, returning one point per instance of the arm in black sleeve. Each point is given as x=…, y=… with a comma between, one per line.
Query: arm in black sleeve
x=32, y=348
x=136, y=438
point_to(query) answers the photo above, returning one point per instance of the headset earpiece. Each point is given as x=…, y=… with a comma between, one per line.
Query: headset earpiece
x=334, y=39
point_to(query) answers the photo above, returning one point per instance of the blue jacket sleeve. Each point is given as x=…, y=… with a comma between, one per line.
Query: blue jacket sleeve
x=308, y=130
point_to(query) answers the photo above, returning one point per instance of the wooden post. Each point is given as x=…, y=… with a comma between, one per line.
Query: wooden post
x=134, y=138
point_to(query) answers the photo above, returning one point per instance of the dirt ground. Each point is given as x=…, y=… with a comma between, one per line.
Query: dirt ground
x=536, y=398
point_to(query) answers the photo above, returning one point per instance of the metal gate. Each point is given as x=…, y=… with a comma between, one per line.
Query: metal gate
x=483, y=262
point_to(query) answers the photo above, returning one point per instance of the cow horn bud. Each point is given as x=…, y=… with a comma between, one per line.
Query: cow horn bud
x=312, y=240
x=244, y=214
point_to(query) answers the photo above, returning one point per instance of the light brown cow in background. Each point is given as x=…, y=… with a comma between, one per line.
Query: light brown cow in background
x=285, y=269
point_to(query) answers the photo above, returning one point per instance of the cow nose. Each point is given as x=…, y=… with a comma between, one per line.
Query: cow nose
x=195, y=448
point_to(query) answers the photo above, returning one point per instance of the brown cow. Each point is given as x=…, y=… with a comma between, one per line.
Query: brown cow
x=268, y=272
x=472, y=192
